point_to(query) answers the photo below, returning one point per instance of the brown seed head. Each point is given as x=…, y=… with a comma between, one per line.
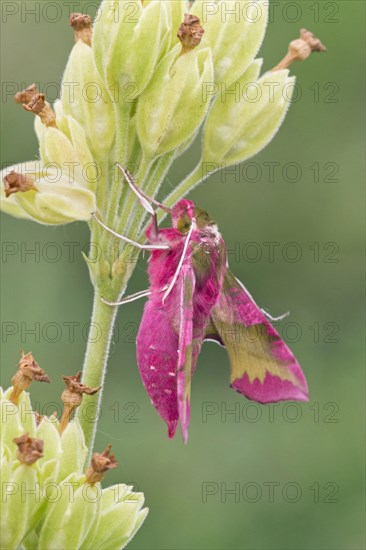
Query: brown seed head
x=82, y=27
x=14, y=182
x=28, y=370
x=29, y=449
x=190, y=33
x=100, y=463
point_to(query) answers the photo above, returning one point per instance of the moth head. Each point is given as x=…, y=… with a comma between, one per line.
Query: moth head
x=182, y=215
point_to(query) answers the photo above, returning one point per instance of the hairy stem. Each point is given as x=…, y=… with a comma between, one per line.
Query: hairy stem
x=95, y=366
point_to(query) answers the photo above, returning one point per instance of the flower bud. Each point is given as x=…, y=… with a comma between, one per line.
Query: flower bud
x=9, y=204
x=120, y=507
x=18, y=514
x=234, y=29
x=127, y=46
x=172, y=107
x=236, y=130
x=175, y=15
x=56, y=197
x=74, y=450
x=86, y=99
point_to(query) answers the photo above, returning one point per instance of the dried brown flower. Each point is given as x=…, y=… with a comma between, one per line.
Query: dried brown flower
x=100, y=463
x=27, y=95
x=14, y=182
x=39, y=106
x=72, y=396
x=29, y=449
x=82, y=27
x=28, y=370
x=190, y=33
x=300, y=49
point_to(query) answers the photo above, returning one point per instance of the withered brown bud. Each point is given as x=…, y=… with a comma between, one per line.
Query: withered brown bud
x=39, y=106
x=100, y=463
x=29, y=449
x=14, y=182
x=300, y=49
x=28, y=370
x=72, y=396
x=27, y=95
x=190, y=32
x=82, y=27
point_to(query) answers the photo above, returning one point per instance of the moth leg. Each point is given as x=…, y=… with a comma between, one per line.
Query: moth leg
x=152, y=230
x=144, y=199
x=128, y=299
x=130, y=241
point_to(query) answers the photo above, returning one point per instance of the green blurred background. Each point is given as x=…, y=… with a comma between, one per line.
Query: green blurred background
x=311, y=454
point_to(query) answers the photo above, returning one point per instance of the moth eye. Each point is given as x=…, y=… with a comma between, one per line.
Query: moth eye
x=183, y=225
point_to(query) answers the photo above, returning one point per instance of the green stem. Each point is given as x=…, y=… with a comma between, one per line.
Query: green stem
x=121, y=156
x=95, y=366
x=193, y=179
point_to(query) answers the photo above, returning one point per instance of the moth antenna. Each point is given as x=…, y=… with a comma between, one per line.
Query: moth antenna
x=279, y=318
x=128, y=299
x=130, y=241
x=144, y=199
x=185, y=248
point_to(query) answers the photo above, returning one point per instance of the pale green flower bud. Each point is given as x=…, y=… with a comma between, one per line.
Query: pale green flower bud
x=239, y=125
x=17, y=510
x=10, y=206
x=86, y=99
x=119, y=504
x=47, y=194
x=68, y=520
x=234, y=30
x=128, y=39
x=172, y=107
x=175, y=14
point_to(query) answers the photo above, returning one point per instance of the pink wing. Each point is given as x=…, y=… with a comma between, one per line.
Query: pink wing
x=262, y=366
x=157, y=345
x=164, y=347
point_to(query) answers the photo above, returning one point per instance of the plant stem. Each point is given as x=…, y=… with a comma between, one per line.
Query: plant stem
x=95, y=366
